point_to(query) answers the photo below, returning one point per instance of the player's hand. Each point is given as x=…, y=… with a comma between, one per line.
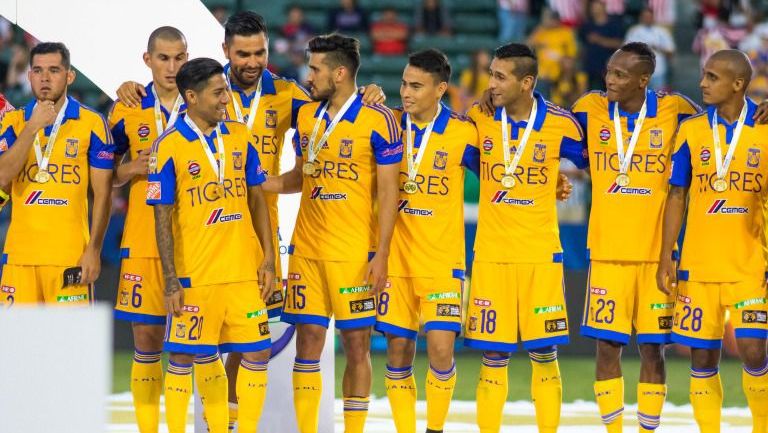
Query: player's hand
x=43, y=114
x=666, y=276
x=564, y=187
x=376, y=275
x=174, y=297
x=130, y=93
x=486, y=103
x=267, y=279
x=90, y=262
x=140, y=165
x=761, y=113
x=372, y=94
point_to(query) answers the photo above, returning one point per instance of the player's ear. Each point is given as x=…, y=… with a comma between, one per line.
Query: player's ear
x=442, y=88
x=739, y=84
x=644, y=80
x=70, y=76
x=225, y=48
x=146, y=58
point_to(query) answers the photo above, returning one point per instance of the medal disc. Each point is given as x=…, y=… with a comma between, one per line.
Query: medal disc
x=720, y=185
x=308, y=168
x=42, y=176
x=622, y=179
x=508, y=182
x=410, y=187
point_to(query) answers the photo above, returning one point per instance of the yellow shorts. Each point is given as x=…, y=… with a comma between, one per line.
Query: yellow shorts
x=140, y=291
x=221, y=317
x=408, y=300
x=319, y=289
x=700, y=312
x=623, y=295
x=22, y=284
x=510, y=298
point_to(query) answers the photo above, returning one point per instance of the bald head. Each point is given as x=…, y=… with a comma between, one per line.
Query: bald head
x=166, y=33
x=734, y=62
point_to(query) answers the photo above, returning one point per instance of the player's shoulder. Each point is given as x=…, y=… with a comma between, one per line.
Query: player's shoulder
x=677, y=100
x=91, y=117
x=461, y=122
x=591, y=99
x=283, y=84
x=235, y=126
x=475, y=114
x=695, y=122
x=562, y=117
x=167, y=140
x=379, y=113
x=12, y=117
x=309, y=109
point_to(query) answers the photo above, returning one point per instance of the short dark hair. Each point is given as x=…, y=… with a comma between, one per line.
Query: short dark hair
x=433, y=61
x=341, y=50
x=523, y=56
x=50, y=48
x=166, y=33
x=244, y=23
x=194, y=74
x=643, y=52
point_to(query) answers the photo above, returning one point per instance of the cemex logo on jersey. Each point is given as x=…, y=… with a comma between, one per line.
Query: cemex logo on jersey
x=317, y=194
x=501, y=197
x=403, y=207
x=217, y=216
x=625, y=190
x=35, y=198
x=719, y=207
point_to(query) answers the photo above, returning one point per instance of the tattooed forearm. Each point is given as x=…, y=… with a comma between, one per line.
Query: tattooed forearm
x=164, y=236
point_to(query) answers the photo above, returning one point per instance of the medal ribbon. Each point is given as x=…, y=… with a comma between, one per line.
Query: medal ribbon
x=217, y=166
x=510, y=166
x=159, y=112
x=315, y=147
x=626, y=158
x=414, y=163
x=42, y=159
x=722, y=166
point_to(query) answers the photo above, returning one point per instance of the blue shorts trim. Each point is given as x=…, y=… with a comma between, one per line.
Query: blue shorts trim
x=194, y=349
x=257, y=346
x=654, y=338
x=751, y=333
x=697, y=343
x=306, y=319
x=362, y=322
x=545, y=342
x=388, y=328
x=275, y=312
x=139, y=318
x=490, y=346
x=443, y=326
x=601, y=334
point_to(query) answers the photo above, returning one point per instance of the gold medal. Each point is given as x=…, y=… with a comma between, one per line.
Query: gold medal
x=410, y=187
x=508, y=182
x=308, y=168
x=720, y=185
x=42, y=176
x=622, y=180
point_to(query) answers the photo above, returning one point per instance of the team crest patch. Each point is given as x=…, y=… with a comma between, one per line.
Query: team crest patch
x=237, y=160
x=271, y=119
x=345, y=148
x=704, y=156
x=539, y=152
x=123, y=297
x=657, y=138
x=753, y=157
x=70, y=151
x=143, y=132
x=181, y=330
x=3, y=145
x=304, y=141
x=441, y=160
x=472, y=325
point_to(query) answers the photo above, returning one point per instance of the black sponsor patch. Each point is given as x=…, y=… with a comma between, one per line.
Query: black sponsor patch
x=264, y=328
x=448, y=310
x=754, y=316
x=556, y=325
x=276, y=298
x=362, y=305
x=665, y=322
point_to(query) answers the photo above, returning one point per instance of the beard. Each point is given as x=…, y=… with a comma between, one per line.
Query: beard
x=321, y=95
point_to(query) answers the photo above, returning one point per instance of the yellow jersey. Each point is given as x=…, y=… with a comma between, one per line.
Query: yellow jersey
x=724, y=230
x=49, y=221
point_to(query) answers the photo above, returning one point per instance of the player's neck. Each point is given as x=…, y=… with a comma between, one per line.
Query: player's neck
x=60, y=103
x=520, y=109
x=167, y=97
x=633, y=104
x=731, y=109
x=205, y=126
x=340, y=96
x=244, y=87
x=426, y=115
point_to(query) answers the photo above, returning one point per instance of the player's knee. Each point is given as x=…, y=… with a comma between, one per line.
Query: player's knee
x=441, y=356
x=651, y=353
x=608, y=352
x=357, y=344
x=260, y=356
x=496, y=355
x=310, y=340
x=753, y=355
x=148, y=338
x=182, y=358
x=705, y=358
x=400, y=351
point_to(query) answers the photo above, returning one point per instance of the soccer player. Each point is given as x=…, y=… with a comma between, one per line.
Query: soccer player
x=426, y=263
x=348, y=153
x=50, y=151
x=5, y=106
x=718, y=171
x=630, y=132
x=209, y=211
x=517, y=284
x=140, y=292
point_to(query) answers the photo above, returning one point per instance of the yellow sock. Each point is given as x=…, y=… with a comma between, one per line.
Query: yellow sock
x=439, y=390
x=755, y=383
x=355, y=413
x=232, y=416
x=178, y=391
x=307, y=390
x=211, y=381
x=251, y=391
x=650, y=400
x=492, y=391
x=546, y=389
x=610, y=399
x=706, y=399
x=401, y=392
x=146, y=386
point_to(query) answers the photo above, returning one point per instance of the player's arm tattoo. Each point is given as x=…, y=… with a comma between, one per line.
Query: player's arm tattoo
x=164, y=236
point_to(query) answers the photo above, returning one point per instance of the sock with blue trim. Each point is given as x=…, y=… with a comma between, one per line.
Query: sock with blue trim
x=439, y=390
x=650, y=400
x=146, y=387
x=307, y=390
x=546, y=388
x=707, y=399
x=251, y=392
x=355, y=414
x=178, y=391
x=492, y=389
x=609, y=395
x=755, y=384
x=401, y=392
x=212, y=384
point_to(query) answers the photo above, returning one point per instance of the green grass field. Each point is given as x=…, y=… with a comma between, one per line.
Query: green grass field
x=577, y=374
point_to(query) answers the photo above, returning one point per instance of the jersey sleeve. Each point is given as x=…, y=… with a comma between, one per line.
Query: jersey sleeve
x=580, y=109
x=572, y=145
x=8, y=130
x=116, y=121
x=299, y=97
x=254, y=174
x=101, y=149
x=385, y=136
x=681, y=160
x=161, y=185
x=685, y=107
x=471, y=156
